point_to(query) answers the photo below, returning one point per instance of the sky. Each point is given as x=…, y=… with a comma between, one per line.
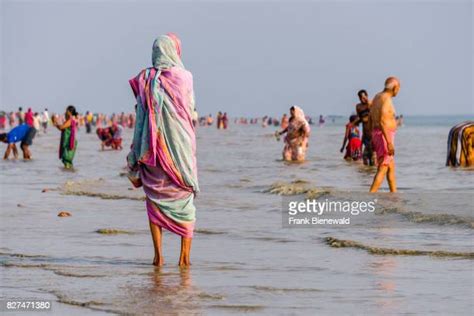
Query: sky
x=249, y=58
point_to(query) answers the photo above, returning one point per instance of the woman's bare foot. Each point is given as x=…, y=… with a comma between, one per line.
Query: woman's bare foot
x=184, y=257
x=158, y=261
x=184, y=262
x=156, y=236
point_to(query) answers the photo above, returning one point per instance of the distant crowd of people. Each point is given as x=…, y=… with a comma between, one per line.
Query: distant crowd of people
x=24, y=127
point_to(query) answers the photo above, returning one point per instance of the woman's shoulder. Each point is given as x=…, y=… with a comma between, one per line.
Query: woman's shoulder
x=182, y=72
x=143, y=72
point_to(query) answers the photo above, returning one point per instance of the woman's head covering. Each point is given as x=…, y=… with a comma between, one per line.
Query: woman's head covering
x=177, y=42
x=299, y=119
x=299, y=114
x=167, y=52
x=164, y=132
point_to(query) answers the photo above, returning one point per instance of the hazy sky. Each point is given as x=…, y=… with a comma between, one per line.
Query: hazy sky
x=247, y=57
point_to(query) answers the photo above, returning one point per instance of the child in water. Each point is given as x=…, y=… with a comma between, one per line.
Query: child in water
x=354, y=146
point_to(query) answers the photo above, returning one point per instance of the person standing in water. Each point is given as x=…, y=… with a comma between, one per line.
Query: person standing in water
x=297, y=135
x=89, y=117
x=68, y=142
x=363, y=111
x=352, y=139
x=163, y=153
x=20, y=116
x=383, y=127
x=45, y=120
x=284, y=122
x=321, y=120
x=225, y=121
x=220, y=122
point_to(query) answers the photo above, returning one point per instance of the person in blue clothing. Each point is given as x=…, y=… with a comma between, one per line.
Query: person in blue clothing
x=22, y=133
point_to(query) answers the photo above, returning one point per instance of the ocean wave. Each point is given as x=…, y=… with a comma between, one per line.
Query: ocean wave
x=112, y=231
x=92, y=305
x=296, y=187
x=341, y=243
x=204, y=231
x=21, y=255
x=272, y=239
x=279, y=289
x=48, y=267
x=207, y=296
x=240, y=308
x=419, y=217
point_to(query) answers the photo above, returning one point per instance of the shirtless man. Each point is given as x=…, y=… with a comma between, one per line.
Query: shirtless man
x=383, y=126
x=363, y=112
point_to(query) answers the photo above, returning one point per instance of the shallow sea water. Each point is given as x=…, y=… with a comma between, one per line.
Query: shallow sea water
x=243, y=260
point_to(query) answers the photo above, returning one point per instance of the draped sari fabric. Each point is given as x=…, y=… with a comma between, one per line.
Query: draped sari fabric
x=68, y=144
x=296, y=140
x=461, y=145
x=163, y=152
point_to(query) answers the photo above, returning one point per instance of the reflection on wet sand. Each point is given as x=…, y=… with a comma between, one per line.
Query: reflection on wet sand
x=170, y=293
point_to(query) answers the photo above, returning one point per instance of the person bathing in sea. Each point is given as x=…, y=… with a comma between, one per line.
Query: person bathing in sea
x=225, y=121
x=117, y=131
x=297, y=135
x=163, y=153
x=363, y=111
x=22, y=133
x=68, y=142
x=383, y=127
x=284, y=122
x=105, y=136
x=209, y=120
x=352, y=138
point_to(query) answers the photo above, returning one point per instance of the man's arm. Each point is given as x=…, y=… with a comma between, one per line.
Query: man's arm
x=385, y=117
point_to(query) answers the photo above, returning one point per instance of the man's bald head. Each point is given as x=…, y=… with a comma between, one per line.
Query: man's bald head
x=392, y=84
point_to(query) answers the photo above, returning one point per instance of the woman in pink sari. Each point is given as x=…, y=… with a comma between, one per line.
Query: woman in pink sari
x=297, y=135
x=163, y=153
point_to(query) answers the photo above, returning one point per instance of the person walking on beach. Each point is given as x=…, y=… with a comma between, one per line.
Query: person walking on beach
x=363, y=111
x=68, y=142
x=383, y=127
x=163, y=153
x=297, y=135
